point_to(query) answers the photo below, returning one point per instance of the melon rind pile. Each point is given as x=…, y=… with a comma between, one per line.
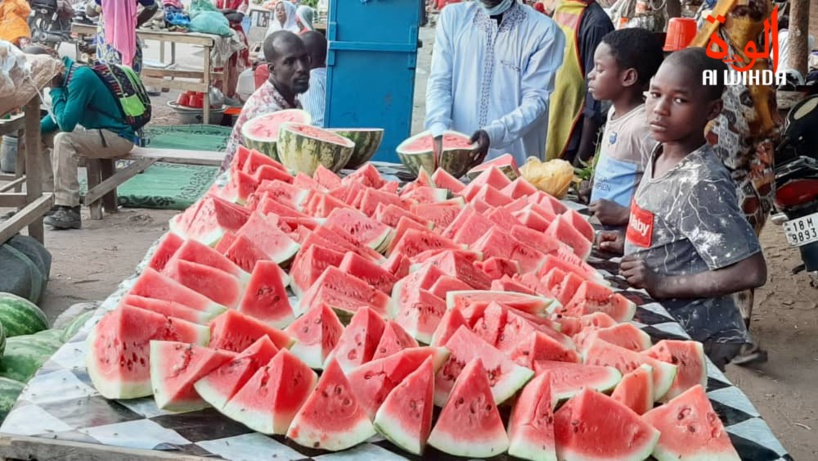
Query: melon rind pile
x=432, y=293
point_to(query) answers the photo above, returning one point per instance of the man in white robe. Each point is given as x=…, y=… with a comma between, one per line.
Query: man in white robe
x=493, y=68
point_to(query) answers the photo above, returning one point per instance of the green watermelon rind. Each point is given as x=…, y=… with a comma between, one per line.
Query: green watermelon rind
x=622, y=387
x=367, y=142
x=25, y=354
x=667, y=371
x=545, y=304
x=302, y=153
x=268, y=147
x=20, y=316
x=518, y=445
x=10, y=390
x=75, y=325
x=455, y=161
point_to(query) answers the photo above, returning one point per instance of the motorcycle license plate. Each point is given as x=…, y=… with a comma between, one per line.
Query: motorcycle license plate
x=802, y=231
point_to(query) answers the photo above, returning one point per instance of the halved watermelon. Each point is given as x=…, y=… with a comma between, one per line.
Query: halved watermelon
x=269, y=401
x=234, y=331
x=266, y=298
x=593, y=426
x=531, y=425
x=505, y=377
x=363, y=229
x=405, y=417
x=331, y=418
x=167, y=247
x=366, y=270
x=536, y=305
x=635, y=391
x=689, y=358
x=568, y=379
x=316, y=334
x=602, y=353
x=221, y=384
x=373, y=381
x=566, y=233
x=175, y=367
x=624, y=335
x=219, y=286
x=344, y=293
x=359, y=341
x=152, y=284
x=469, y=424
x=118, y=358
x=690, y=429
x=277, y=245
x=393, y=340
x=170, y=309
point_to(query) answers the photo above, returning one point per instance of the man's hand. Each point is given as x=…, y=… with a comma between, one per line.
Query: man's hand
x=611, y=242
x=483, y=142
x=639, y=275
x=57, y=81
x=609, y=213
x=584, y=191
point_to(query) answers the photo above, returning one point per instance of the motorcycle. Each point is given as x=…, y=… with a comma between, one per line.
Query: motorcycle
x=796, y=181
x=50, y=22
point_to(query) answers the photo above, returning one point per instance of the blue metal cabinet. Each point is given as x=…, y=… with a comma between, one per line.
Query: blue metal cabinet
x=371, y=68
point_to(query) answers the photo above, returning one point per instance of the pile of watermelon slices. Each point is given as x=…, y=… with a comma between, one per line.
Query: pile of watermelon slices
x=330, y=310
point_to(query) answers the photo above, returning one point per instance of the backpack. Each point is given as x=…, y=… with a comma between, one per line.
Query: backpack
x=127, y=88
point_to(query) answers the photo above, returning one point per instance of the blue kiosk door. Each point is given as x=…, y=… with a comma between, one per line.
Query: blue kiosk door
x=371, y=68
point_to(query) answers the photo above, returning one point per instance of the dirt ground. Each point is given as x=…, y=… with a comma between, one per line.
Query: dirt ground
x=89, y=264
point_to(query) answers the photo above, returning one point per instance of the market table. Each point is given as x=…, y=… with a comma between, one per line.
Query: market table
x=61, y=412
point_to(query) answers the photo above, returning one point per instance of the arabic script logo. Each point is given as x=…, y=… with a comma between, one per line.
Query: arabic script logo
x=717, y=47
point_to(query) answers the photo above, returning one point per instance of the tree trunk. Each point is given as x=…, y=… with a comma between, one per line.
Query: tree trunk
x=798, y=36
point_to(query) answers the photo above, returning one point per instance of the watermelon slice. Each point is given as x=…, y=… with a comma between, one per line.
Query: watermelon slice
x=344, y=293
x=269, y=401
x=363, y=229
x=531, y=425
x=289, y=195
x=368, y=175
x=325, y=177
x=243, y=252
x=366, y=270
x=507, y=284
x=445, y=284
x=505, y=377
x=549, y=202
x=213, y=218
x=441, y=214
x=405, y=224
x=221, y=287
x=489, y=325
x=266, y=298
x=405, y=417
x=424, y=195
x=472, y=229
x=331, y=418
x=491, y=196
x=542, y=242
x=199, y=253
x=221, y=384
x=415, y=241
x=234, y=331
x=455, y=264
x=167, y=247
x=397, y=265
x=118, y=358
x=519, y=188
x=309, y=264
x=393, y=340
x=568, y=379
x=496, y=268
x=359, y=341
x=623, y=335
x=505, y=163
x=562, y=230
x=373, y=381
x=418, y=311
x=372, y=197
x=473, y=299
x=690, y=429
x=152, y=284
x=321, y=205
x=593, y=426
x=470, y=425
x=499, y=243
x=635, y=391
x=492, y=176
x=175, y=367
x=316, y=334
x=602, y=353
x=240, y=186
x=690, y=361
x=452, y=321
x=170, y=309
x=277, y=245
x=391, y=215
x=590, y=321
x=580, y=223
x=540, y=346
x=442, y=178
x=563, y=285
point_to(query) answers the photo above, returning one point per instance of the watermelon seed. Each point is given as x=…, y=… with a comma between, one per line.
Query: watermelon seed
x=316, y=445
x=338, y=390
x=691, y=428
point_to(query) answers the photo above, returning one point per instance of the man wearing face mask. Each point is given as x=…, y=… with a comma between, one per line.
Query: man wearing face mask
x=289, y=66
x=493, y=69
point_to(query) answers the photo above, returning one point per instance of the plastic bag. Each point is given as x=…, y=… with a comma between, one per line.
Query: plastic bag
x=22, y=76
x=553, y=177
x=209, y=22
x=198, y=7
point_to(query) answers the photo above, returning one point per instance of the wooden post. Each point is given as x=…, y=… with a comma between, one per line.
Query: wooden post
x=34, y=164
x=798, y=36
x=207, y=65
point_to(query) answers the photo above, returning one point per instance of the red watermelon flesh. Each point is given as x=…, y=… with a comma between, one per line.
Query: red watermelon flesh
x=599, y=352
x=234, y=331
x=346, y=242
x=346, y=191
x=391, y=215
x=199, y=253
x=266, y=298
x=256, y=160
x=215, y=216
x=345, y=292
x=623, y=335
x=170, y=309
x=405, y=224
x=592, y=297
x=499, y=243
x=689, y=358
x=505, y=377
x=270, y=173
x=534, y=283
x=506, y=162
x=277, y=245
x=424, y=194
x=219, y=286
x=454, y=264
x=441, y=214
x=563, y=231
x=443, y=178
x=359, y=341
x=564, y=253
x=507, y=284
x=305, y=182
x=372, y=197
x=563, y=285
x=490, y=324
x=526, y=303
x=362, y=229
x=540, y=346
x=452, y=321
x=690, y=429
x=225, y=243
x=179, y=223
x=416, y=241
x=405, y=417
x=490, y=195
x=331, y=418
x=418, y=311
x=268, y=205
x=471, y=256
x=393, y=340
x=424, y=179
x=397, y=265
x=309, y=264
x=496, y=267
x=569, y=379
x=240, y=186
x=244, y=253
x=390, y=187
x=552, y=261
x=119, y=349
x=550, y=202
x=175, y=367
x=269, y=401
x=326, y=177
x=469, y=424
x=320, y=205
x=288, y=195
x=503, y=218
x=240, y=159
x=368, y=175
x=316, y=334
x=596, y=320
x=542, y=242
x=519, y=188
x=593, y=426
x=366, y=270
x=635, y=391
x=445, y=284
x=152, y=284
x=492, y=176
x=221, y=384
x=580, y=223
x=531, y=425
x=169, y=245
x=474, y=226
x=532, y=220
x=455, y=225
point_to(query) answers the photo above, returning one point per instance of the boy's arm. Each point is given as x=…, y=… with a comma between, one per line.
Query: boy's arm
x=68, y=104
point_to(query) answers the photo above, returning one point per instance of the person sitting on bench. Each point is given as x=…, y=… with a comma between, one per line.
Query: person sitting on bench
x=84, y=121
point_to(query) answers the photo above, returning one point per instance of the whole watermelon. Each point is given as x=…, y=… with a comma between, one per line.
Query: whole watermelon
x=73, y=327
x=20, y=316
x=9, y=392
x=25, y=354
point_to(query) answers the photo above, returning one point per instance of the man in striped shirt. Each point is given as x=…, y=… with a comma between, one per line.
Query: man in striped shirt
x=314, y=100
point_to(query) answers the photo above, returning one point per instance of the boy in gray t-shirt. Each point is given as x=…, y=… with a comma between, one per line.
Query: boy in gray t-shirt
x=687, y=242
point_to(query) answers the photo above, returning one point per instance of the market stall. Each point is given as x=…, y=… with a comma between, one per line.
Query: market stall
x=60, y=411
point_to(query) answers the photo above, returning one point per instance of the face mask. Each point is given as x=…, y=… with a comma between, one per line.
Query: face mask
x=501, y=8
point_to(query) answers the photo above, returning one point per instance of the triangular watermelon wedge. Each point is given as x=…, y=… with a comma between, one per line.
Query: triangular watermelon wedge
x=531, y=425
x=393, y=340
x=635, y=391
x=222, y=383
x=200, y=253
x=452, y=321
x=219, y=286
x=569, y=379
x=331, y=418
x=277, y=245
x=359, y=340
x=265, y=298
x=175, y=367
x=234, y=331
x=405, y=418
x=170, y=309
x=316, y=334
x=470, y=425
x=269, y=401
x=152, y=284
x=168, y=246
x=600, y=352
x=690, y=360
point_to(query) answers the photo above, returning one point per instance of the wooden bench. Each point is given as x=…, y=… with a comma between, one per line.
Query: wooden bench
x=103, y=179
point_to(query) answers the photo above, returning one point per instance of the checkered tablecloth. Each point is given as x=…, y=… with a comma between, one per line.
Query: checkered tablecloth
x=60, y=402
